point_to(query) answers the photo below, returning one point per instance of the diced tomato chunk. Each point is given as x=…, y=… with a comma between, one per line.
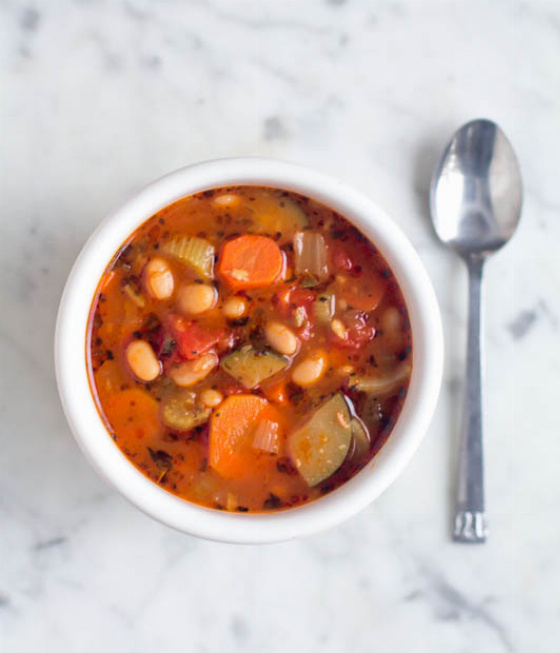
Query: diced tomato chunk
x=229, y=386
x=359, y=332
x=193, y=339
x=296, y=305
x=302, y=297
x=364, y=295
x=227, y=341
x=340, y=258
x=277, y=392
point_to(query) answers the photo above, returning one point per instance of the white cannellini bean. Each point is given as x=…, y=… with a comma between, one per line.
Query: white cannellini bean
x=211, y=398
x=190, y=373
x=234, y=308
x=226, y=200
x=310, y=370
x=142, y=361
x=196, y=298
x=339, y=329
x=281, y=338
x=159, y=279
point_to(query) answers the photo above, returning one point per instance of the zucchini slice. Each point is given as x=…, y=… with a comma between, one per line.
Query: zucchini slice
x=319, y=447
x=182, y=413
x=361, y=441
x=252, y=366
x=273, y=214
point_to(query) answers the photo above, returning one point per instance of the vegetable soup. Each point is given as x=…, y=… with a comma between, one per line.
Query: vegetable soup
x=249, y=349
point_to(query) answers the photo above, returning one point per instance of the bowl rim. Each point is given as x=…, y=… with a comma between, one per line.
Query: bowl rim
x=91, y=433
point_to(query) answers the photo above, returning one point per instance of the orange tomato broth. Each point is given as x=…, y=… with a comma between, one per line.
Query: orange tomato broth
x=216, y=464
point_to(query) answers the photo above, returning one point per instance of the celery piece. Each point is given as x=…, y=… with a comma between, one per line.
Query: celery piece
x=196, y=252
x=310, y=254
x=324, y=308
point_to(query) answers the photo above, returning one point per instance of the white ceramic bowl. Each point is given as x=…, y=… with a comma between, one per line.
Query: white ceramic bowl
x=353, y=495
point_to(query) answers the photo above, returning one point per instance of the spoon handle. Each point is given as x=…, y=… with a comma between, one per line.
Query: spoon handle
x=470, y=515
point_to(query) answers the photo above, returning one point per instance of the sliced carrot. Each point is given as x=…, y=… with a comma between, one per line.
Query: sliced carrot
x=192, y=338
x=250, y=262
x=232, y=428
x=133, y=415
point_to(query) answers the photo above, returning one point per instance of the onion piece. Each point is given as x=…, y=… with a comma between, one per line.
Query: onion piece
x=385, y=384
x=267, y=436
x=311, y=254
x=135, y=295
x=300, y=316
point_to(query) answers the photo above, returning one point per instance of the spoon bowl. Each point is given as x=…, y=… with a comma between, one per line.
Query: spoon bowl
x=476, y=192
x=475, y=201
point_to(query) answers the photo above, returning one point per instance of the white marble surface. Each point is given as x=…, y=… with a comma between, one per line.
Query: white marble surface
x=97, y=99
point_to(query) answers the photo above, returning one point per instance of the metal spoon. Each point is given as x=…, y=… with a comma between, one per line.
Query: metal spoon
x=475, y=201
